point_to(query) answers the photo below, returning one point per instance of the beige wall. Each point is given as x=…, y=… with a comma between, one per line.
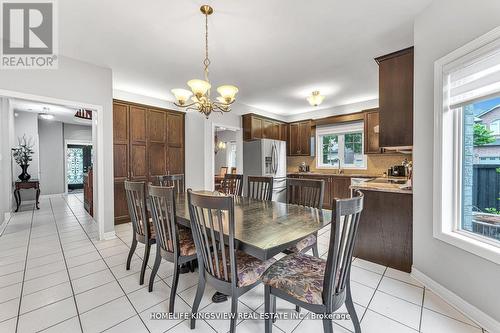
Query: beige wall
x=377, y=164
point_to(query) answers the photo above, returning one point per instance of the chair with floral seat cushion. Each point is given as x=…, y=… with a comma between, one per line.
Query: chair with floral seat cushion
x=318, y=285
x=142, y=232
x=173, y=243
x=305, y=192
x=226, y=269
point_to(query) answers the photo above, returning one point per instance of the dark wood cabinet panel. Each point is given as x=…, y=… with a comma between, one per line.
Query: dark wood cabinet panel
x=142, y=136
x=120, y=123
x=137, y=124
x=340, y=187
x=175, y=160
x=120, y=161
x=157, y=129
x=175, y=130
x=299, y=138
x=396, y=98
x=283, y=132
x=120, y=203
x=385, y=230
x=258, y=127
x=268, y=129
x=138, y=162
x=256, y=131
x=372, y=132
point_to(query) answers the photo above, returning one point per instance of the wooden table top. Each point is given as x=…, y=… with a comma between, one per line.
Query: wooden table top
x=266, y=228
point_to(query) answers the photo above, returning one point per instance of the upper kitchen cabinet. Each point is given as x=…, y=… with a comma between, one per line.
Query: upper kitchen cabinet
x=259, y=127
x=396, y=99
x=299, y=138
x=372, y=145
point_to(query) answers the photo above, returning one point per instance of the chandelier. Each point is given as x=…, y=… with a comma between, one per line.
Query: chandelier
x=198, y=98
x=315, y=99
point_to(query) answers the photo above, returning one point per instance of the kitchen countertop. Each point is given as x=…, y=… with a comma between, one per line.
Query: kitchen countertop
x=381, y=187
x=334, y=174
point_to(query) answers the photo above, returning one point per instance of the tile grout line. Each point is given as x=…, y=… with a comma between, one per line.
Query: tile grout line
x=66, y=264
x=371, y=299
x=421, y=312
x=25, y=265
x=114, y=276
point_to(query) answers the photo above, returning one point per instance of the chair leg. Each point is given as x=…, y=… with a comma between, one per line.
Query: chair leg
x=173, y=290
x=131, y=252
x=327, y=326
x=147, y=248
x=234, y=312
x=155, y=269
x=350, y=308
x=273, y=306
x=267, y=309
x=197, y=299
x=315, y=250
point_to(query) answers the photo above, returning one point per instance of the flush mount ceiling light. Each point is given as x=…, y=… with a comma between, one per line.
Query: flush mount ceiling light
x=45, y=115
x=315, y=99
x=201, y=101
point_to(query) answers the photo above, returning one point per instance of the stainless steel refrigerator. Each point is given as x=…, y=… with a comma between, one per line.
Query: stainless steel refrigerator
x=266, y=157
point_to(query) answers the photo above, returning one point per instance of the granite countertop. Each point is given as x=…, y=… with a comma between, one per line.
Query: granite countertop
x=352, y=175
x=381, y=187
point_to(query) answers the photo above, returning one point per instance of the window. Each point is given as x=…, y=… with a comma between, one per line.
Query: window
x=466, y=182
x=495, y=127
x=340, y=145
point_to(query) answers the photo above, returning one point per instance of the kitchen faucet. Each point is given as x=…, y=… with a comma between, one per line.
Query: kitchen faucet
x=339, y=170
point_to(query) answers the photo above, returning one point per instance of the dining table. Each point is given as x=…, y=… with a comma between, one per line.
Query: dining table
x=263, y=229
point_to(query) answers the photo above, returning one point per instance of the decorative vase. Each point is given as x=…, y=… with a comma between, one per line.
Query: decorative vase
x=24, y=176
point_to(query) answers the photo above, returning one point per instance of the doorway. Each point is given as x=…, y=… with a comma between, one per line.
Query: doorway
x=78, y=164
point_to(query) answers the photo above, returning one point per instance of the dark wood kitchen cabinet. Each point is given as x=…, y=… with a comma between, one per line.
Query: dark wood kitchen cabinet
x=385, y=234
x=372, y=145
x=147, y=142
x=396, y=99
x=259, y=127
x=299, y=138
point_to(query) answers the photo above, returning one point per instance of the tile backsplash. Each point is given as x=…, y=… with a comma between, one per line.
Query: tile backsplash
x=377, y=164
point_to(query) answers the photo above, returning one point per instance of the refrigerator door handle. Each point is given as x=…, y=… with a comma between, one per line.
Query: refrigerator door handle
x=273, y=162
x=276, y=159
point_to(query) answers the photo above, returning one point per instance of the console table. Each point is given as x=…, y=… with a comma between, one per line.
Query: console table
x=23, y=185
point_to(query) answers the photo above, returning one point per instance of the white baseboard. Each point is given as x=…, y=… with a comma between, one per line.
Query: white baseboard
x=467, y=309
x=6, y=218
x=109, y=235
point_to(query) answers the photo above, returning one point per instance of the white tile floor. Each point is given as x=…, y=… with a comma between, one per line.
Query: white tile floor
x=55, y=276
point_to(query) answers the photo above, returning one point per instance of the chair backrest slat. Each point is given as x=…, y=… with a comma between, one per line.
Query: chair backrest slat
x=210, y=214
x=162, y=204
x=177, y=181
x=260, y=188
x=305, y=192
x=137, y=207
x=232, y=184
x=345, y=221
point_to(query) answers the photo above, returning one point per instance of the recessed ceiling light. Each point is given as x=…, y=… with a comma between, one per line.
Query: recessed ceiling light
x=46, y=116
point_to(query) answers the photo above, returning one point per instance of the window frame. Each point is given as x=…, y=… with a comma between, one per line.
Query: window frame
x=497, y=123
x=447, y=186
x=340, y=130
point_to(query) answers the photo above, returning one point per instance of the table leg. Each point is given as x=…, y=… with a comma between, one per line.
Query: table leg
x=17, y=196
x=37, y=198
x=219, y=297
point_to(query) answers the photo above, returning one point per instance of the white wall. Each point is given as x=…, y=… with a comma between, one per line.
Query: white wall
x=77, y=132
x=6, y=142
x=88, y=85
x=26, y=123
x=51, y=156
x=441, y=28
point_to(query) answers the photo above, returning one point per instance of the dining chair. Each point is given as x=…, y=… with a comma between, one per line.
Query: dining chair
x=232, y=184
x=142, y=227
x=305, y=192
x=228, y=270
x=318, y=285
x=260, y=188
x=173, y=243
x=177, y=181
x=233, y=170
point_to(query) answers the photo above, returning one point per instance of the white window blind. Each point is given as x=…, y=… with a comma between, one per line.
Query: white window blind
x=474, y=78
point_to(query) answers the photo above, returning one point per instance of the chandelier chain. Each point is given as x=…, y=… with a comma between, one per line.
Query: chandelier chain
x=206, y=62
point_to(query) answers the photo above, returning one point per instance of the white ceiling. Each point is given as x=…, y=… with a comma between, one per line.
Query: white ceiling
x=61, y=113
x=276, y=51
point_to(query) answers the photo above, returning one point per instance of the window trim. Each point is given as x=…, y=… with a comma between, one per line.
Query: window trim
x=447, y=185
x=497, y=122
x=340, y=129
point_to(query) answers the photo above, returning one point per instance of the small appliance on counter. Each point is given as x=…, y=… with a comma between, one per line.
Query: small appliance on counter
x=397, y=171
x=303, y=167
